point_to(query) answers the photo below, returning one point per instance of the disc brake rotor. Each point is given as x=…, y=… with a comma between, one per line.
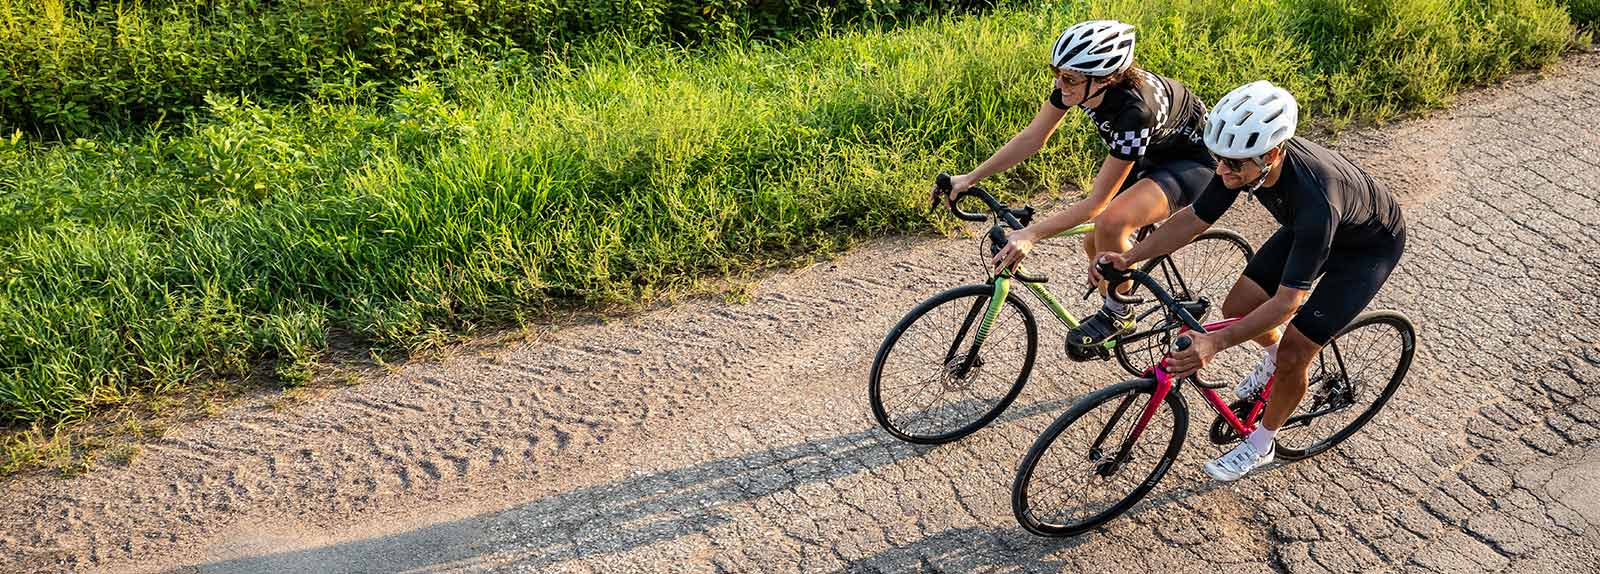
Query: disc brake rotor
x=954, y=380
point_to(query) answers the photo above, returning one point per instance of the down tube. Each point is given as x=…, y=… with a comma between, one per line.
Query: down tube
x=1054, y=305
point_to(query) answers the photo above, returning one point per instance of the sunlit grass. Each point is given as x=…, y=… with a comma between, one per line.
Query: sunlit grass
x=489, y=194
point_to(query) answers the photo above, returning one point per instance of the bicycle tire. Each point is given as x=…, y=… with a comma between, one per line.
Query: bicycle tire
x=1023, y=486
x=1405, y=334
x=965, y=425
x=1137, y=355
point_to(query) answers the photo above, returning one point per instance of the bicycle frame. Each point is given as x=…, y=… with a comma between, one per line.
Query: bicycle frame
x=1165, y=385
x=997, y=300
x=1002, y=287
x=1002, y=284
x=1044, y=295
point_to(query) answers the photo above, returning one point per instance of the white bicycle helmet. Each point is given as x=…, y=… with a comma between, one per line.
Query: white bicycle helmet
x=1096, y=48
x=1250, y=120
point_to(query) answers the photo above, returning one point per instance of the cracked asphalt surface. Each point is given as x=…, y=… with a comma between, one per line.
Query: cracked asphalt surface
x=717, y=436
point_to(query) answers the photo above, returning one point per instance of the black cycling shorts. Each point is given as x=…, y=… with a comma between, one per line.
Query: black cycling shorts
x=1351, y=277
x=1181, y=180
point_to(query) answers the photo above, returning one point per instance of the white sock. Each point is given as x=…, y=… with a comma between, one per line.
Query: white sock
x=1272, y=350
x=1261, y=438
x=1114, y=305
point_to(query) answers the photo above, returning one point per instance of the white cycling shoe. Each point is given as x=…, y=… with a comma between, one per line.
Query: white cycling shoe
x=1239, y=462
x=1257, y=378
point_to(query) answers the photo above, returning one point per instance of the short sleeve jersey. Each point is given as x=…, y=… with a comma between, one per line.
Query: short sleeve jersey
x=1159, y=120
x=1324, y=200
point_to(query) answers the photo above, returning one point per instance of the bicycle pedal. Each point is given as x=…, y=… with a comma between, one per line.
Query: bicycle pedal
x=1082, y=354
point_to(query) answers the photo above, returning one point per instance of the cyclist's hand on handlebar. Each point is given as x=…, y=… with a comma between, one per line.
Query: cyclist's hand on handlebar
x=1018, y=244
x=958, y=184
x=1189, y=361
x=1114, y=258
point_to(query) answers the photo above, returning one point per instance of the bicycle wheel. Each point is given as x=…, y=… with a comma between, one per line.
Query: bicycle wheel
x=1206, y=267
x=915, y=386
x=1070, y=483
x=1352, y=378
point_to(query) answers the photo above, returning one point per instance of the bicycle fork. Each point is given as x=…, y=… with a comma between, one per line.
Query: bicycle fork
x=1163, y=386
x=997, y=301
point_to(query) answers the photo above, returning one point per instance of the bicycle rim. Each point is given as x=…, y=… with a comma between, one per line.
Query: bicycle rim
x=1353, y=377
x=914, y=388
x=1208, y=267
x=1062, y=487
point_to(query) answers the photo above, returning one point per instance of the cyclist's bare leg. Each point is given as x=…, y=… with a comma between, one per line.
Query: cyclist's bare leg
x=1243, y=298
x=1142, y=204
x=1295, y=354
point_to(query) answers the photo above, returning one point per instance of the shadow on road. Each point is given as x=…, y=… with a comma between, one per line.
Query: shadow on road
x=622, y=516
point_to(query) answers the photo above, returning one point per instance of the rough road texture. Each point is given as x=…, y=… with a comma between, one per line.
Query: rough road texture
x=716, y=436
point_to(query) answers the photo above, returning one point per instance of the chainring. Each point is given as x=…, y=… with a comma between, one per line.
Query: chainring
x=1222, y=432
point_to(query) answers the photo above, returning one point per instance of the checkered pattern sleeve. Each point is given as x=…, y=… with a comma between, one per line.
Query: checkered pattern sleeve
x=1131, y=133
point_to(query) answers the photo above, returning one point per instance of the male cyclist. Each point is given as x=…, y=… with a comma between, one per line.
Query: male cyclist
x=1336, y=222
x=1156, y=166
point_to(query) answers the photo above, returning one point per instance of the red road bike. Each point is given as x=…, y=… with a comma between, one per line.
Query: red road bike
x=1106, y=452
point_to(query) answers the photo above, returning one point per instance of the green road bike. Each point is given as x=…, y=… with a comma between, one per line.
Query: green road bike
x=956, y=361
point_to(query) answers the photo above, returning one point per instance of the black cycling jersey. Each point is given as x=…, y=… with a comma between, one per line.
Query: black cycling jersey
x=1324, y=201
x=1160, y=120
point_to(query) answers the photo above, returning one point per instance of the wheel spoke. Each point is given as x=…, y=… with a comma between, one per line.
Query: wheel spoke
x=1370, y=355
x=1065, y=489
x=915, y=390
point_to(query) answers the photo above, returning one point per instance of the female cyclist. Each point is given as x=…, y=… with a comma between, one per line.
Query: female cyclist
x=1157, y=163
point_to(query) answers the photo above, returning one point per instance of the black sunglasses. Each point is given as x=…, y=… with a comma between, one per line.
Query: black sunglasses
x=1237, y=164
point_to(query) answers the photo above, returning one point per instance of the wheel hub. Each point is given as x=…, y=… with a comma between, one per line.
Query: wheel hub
x=954, y=379
x=1333, y=393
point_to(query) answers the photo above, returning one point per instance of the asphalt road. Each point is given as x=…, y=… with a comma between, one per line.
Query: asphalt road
x=735, y=436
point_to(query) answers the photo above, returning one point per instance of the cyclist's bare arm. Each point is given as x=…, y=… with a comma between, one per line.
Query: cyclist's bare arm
x=1110, y=178
x=1177, y=231
x=1269, y=315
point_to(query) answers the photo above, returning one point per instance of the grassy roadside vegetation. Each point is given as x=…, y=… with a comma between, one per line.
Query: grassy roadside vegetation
x=144, y=262
x=78, y=67
x=1585, y=13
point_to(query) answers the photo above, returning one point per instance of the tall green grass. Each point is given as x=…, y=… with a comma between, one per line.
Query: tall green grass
x=71, y=67
x=1379, y=58
x=490, y=192
x=1584, y=13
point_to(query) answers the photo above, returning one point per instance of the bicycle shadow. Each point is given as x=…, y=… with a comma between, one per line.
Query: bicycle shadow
x=611, y=518
x=975, y=549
